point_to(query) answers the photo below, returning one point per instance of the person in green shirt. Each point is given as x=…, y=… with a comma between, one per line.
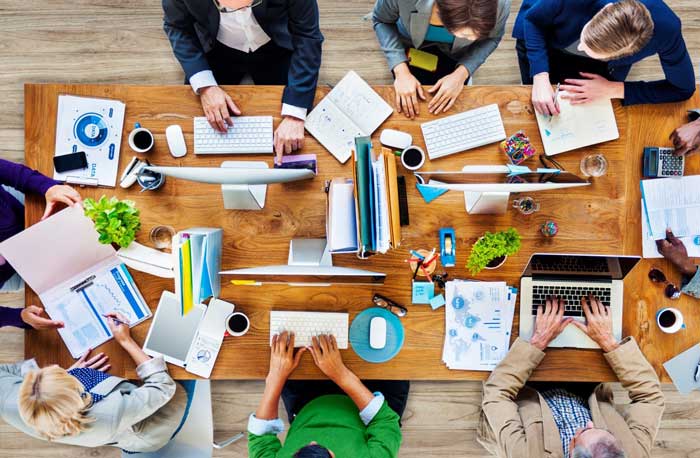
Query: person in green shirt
x=339, y=418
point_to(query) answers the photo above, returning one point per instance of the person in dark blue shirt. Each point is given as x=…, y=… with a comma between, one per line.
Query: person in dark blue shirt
x=590, y=45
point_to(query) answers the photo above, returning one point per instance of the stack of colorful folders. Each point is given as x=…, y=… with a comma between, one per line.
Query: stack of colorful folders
x=197, y=253
x=478, y=324
x=376, y=199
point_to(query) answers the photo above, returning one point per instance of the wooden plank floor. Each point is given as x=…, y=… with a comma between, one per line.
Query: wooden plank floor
x=123, y=42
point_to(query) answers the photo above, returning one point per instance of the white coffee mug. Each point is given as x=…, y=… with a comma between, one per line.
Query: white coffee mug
x=141, y=147
x=413, y=157
x=239, y=332
x=670, y=320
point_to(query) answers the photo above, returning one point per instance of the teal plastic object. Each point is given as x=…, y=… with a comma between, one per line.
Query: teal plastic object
x=429, y=194
x=359, y=336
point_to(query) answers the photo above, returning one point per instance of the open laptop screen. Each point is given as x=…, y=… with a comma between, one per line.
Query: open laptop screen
x=580, y=266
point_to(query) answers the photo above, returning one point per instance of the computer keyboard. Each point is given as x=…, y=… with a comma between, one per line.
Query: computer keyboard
x=305, y=325
x=248, y=135
x=571, y=295
x=463, y=131
x=597, y=264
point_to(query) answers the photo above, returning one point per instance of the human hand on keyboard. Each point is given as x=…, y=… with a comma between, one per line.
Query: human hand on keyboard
x=283, y=361
x=549, y=323
x=599, y=325
x=218, y=106
x=447, y=89
x=288, y=137
x=324, y=350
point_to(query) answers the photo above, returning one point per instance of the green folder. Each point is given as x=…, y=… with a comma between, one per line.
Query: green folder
x=363, y=146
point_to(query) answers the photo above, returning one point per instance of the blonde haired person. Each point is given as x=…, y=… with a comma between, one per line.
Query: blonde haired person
x=85, y=406
x=590, y=45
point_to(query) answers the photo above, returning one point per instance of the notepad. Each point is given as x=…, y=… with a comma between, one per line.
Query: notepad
x=577, y=126
x=352, y=109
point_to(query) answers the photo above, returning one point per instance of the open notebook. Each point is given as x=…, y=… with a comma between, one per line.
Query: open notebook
x=577, y=126
x=352, y=109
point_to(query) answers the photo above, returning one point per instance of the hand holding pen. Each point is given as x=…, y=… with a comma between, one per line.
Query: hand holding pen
x=119, y=326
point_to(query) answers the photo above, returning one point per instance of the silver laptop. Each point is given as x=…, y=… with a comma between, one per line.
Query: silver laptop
x=569, y=277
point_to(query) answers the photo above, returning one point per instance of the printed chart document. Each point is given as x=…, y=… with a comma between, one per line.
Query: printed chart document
x=77, y=279
x=577, y=126
x=649, y=249
x=352, y=109
x=674, y=203
x=93, y=126
x=478, y=324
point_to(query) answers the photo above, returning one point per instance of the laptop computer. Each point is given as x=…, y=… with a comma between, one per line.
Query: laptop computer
x=569, y=277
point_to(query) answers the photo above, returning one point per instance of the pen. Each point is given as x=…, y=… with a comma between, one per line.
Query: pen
x=556, y=98
x=118, y=322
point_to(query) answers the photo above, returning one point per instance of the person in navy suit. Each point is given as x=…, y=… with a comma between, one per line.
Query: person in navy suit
x=274, y=41
x=589, y=47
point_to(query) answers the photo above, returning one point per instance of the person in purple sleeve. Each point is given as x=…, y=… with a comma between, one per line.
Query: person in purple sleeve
x=26, y=180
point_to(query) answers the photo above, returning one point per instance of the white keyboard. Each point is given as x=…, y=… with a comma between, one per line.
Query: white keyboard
x=305, y=325
x=463, y=131
x=248, y=135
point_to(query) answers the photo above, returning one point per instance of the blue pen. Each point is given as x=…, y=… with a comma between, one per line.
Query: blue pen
x=118, y=322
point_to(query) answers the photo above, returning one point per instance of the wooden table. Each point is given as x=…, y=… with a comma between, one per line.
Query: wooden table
x=602, y=218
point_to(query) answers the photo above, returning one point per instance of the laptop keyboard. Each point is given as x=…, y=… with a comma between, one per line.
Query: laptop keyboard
x=571, y=264
x=571, y=295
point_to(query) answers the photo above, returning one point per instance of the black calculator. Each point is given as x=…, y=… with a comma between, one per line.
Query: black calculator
x=661, y=162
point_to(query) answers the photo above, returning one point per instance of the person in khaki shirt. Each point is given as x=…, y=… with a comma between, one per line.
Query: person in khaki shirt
x=536, y=421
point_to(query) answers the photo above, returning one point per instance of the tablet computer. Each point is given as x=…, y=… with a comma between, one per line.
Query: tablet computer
x=171, y=333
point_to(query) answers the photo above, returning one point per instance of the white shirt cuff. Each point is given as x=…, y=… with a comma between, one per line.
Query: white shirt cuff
x=202, y=79
x=368, y=413
x=295, y=112
x=260, y=427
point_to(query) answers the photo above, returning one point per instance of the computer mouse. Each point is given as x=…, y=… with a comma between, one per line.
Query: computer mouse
x=377, y=333
x=395, y=139
x=176, y=140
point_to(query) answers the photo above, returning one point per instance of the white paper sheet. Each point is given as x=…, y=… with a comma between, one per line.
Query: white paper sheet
x=674, y=203
x=93, y=126
x=577, y=126
x=649, y=249
x=342, y=221
x=381, y=206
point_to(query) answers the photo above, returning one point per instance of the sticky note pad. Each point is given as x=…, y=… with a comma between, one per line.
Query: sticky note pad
x=437, y=301
x=423, y=291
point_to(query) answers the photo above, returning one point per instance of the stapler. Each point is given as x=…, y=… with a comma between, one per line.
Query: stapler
x=131, y=172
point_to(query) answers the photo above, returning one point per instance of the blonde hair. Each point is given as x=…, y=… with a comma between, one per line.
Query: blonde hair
x=620, y=29
x=52, y=402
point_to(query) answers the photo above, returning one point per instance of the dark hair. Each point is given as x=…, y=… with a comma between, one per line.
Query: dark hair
x=478, y=15
x=312, y=451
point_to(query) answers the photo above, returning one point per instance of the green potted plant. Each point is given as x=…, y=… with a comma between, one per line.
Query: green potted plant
x=492, y=249
x=117, y=221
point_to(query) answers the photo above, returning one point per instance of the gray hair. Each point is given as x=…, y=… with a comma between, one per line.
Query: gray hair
x=605, y=448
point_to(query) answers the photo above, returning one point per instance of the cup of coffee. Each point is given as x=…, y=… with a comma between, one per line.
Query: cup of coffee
x=237, y=324
x=140, y=139
x=413, y=157
x=670, y=320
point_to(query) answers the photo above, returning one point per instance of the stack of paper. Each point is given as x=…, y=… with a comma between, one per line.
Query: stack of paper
x=478, y=323
x=341, y=220
x=670, y=203
x=197, y=260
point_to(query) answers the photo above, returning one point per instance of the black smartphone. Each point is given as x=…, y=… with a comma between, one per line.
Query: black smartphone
x=68, y=162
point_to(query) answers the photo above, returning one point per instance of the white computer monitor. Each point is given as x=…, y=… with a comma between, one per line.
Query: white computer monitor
x=309, y=264
x=487, y=188
x=243, y=183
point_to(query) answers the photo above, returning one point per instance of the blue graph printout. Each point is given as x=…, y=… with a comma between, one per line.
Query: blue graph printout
x=82, y=306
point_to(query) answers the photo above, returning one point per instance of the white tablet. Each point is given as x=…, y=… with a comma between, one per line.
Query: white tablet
x=171, y=334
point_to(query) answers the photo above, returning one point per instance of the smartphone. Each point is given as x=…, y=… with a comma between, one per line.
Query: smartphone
x=68, y=162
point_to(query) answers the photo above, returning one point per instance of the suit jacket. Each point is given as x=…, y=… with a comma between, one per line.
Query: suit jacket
x=192, y=27
x=415, y=17
x=134, y=418
x=558, y=24
x=516, y=421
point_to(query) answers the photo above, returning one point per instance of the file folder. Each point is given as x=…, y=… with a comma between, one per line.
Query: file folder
x=197, y=253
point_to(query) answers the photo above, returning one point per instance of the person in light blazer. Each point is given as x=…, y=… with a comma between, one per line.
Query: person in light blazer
x=461, y=33
x=85, y=406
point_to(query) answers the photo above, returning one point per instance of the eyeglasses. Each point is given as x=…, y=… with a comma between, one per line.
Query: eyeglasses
x=224, y=9
x=671, y=291
x=393, y=307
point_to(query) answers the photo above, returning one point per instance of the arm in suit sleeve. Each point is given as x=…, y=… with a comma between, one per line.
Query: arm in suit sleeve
x=482, y=49
x=639, y=379
x=178, y=24
x=500, y=391
x=306, y=55
x=678, y=68
x=385, y=16
x=537, y=20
